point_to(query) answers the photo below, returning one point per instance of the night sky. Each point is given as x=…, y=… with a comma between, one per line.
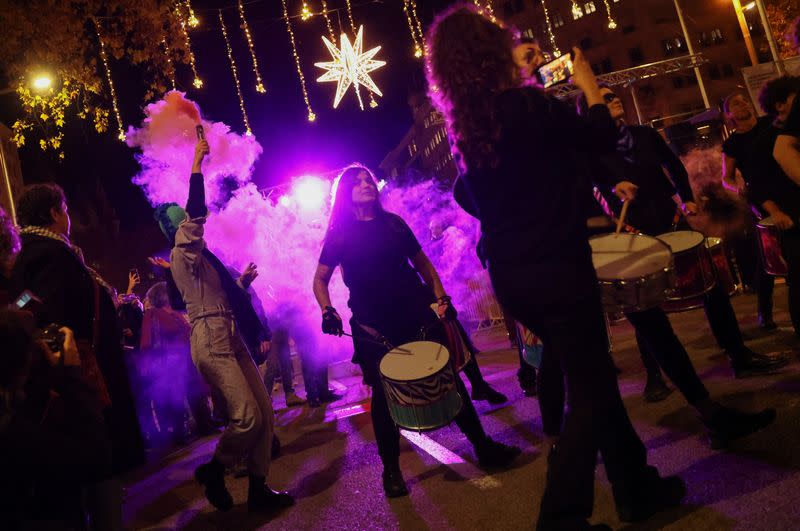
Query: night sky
x=292, y=145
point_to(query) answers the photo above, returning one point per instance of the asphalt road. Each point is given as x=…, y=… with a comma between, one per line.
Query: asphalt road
x=329, y=460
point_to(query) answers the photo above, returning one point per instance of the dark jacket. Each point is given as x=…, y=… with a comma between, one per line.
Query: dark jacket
x=55, y=274
x=656, y=170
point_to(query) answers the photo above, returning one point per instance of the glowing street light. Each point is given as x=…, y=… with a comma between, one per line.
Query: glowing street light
x=310, y=192
x=749, y=6
x=42, y=82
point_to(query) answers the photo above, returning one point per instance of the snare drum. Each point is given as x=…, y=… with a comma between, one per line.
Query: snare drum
x=420, y=386
x=719, y=256
x=769, y=242
x=634, y=271
x=694, y=269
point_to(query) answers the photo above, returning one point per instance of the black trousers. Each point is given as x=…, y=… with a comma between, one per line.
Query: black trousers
x=790, y=245
x=404, y=329
x=280, y=344
x=569, y=320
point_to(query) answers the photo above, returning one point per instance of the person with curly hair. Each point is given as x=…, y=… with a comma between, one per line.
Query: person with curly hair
x=523, y=157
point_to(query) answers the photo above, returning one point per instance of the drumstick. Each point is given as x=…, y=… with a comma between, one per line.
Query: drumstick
x=376, y=342
x=621, y=220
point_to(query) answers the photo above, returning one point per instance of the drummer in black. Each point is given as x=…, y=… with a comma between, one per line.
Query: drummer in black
x=738, y=152
x=381, y=264
x=635, y=172
x=772, y=188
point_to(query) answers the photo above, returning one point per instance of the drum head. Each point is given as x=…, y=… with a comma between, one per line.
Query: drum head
x=766, y=222
x=682, y=240
x=628, y=256
x=414, y=361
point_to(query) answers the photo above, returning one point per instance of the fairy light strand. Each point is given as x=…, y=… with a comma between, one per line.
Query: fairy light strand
x=170, y=64
x=372, y=102
x=550, y=33
x=246, y=28
x=305, y=13
x=311, y=115
x=197, y=82
x=576, y=11
x=412, y=29
x=114, y=105
x=235, y=73
x=420, y=34
x=328, y=20
x=193, y=20
x=612, y=24
x=486, y=8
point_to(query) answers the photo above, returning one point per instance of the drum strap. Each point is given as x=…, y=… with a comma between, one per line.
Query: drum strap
x=598, y=195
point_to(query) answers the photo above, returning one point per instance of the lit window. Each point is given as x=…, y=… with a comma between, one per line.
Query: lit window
x=576, y=12
x=558, y=20
x=589, y=7
x=528, y=33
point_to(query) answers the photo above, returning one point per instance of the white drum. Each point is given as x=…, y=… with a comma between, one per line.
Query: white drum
x=634, y=270
x=420, y=385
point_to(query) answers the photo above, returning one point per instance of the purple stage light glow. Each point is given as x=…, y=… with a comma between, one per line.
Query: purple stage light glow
x=310, y=192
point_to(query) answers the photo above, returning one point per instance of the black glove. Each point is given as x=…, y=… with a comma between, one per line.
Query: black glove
x=331, y=322
x=450, y=310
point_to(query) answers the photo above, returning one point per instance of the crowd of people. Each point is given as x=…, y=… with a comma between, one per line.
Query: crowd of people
x=90, y=378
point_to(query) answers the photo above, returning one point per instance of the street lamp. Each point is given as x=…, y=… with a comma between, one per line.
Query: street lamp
x=42, y=82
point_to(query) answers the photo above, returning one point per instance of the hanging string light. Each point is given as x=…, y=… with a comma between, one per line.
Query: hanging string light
x=246, y=28
x=311, y=115
x=248, y=132
x=328, y=20
x=412, y=29
x=356, y=35
x=193, y=20
x=114, y=105
x=485, y=8
x=170, y=64
x=197, y=82
x=305, y=13
x=549, y=25
x=612, y=25
x=417, y=22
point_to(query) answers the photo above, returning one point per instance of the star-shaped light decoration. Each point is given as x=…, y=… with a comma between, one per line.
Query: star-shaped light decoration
x=350, y=66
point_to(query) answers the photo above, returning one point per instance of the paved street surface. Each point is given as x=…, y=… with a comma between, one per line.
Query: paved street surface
x=329, y=461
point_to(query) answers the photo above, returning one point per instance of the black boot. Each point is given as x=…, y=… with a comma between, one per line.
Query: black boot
x=765, y=322
x=261, y=498
x=212, y=476
x=493, y=454
x=485, y=392
x=727, y=425
x=656, y=390
x=748, y=363
x=647, y=495
x=393, y=484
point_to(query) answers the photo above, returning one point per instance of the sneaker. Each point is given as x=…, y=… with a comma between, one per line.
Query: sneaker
x=264, y=499
x=485, y=392
x=393, y=484
x=212, y=476
x=656, y=391
x=758, y=364
x=727, y=425
x=648, y=496
x=493, y=454
x=293, y=400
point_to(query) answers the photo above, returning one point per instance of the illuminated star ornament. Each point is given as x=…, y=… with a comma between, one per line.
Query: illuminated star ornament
x=350, y=66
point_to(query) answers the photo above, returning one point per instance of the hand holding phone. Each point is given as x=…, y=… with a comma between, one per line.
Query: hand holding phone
x=556, y=71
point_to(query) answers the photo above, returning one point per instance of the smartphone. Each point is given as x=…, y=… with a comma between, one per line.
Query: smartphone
x=133, y=271
x=27, y=301
x=201, y=135
x=556, y=71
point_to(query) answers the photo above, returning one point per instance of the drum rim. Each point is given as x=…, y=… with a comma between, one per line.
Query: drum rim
x=447, y=364
x=695, y=246
x=642, y=278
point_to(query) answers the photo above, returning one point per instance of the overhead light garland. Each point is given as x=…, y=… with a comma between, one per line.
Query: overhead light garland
x=327, y=19
x=486, y=8
x=350, y=66
x=612, y=24
x=576, y=11
x=246, y=28
x=305, y=13
x=170, y=64
x=193, y=20
x=549, y=26
x=311, y=115
x=419, y=26
x=246, y=121
x=197, y=82
x=372, y=102
x=417, y=38
x=114, y=105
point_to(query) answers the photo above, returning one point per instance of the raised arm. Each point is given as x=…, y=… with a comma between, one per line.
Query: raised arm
x=196, y=204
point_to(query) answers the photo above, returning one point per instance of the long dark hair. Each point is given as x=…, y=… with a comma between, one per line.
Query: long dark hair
x=342, y=213
x=469, y=63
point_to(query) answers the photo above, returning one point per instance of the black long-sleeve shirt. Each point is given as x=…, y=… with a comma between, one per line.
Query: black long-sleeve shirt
x=653, y=210
x=532, y=204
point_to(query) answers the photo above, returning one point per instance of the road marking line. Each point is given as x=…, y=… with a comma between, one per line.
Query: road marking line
x=465, y=469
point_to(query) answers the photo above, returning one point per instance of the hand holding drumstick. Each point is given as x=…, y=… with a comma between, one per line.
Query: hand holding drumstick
x=626, y=191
